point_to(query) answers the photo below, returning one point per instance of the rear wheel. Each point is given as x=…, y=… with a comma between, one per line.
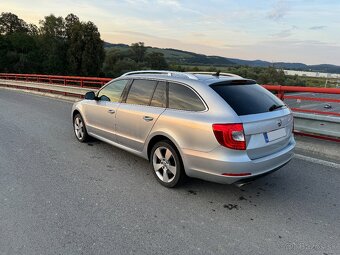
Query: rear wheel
x=167, y=164
x=80, y=129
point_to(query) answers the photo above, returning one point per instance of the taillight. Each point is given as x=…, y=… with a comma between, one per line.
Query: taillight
x=230, y=135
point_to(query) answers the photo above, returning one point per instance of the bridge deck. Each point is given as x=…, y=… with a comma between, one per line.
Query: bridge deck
x=66, y=197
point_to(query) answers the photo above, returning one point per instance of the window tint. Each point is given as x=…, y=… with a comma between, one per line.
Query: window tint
x=113, y=91
x=183, y=98
x=159, y=97
x=247, y=99
x=141, y=92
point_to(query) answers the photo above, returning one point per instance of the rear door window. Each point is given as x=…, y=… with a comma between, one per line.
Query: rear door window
x=247, y=99
x=159, y=96
x=183, y=98
x=141, y=92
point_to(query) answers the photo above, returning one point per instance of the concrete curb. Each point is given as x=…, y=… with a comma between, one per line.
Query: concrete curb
x=318, y=148
x=45, y=94
x=316, y=124
x=46, y=87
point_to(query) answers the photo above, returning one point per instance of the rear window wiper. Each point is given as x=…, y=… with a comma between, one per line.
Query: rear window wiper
x=274, y=107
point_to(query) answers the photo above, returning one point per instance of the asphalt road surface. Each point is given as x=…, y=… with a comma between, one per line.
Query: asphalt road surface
x=59, y=196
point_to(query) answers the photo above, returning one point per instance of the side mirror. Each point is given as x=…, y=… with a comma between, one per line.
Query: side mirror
x=90, y=95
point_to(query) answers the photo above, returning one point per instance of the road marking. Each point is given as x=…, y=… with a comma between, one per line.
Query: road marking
x=317, y=161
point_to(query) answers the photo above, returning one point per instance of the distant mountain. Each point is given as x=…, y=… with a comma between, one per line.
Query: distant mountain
x=181, y=57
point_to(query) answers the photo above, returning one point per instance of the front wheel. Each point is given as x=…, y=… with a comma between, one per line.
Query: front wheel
x=167, y=164
x=80, y=129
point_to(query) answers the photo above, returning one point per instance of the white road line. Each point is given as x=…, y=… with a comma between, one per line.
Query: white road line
x=317, y=161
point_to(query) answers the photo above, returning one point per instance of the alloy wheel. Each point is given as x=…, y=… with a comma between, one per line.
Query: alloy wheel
x=79, y=128
x=164, y=164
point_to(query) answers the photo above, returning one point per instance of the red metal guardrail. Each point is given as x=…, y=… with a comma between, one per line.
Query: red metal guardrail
x=288, y=92
x=84, y=82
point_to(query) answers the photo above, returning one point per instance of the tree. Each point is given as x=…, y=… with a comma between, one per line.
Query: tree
x=156, y=60
x=75, y=46
x=57, y=46
x=52, y=26
x=124, y=65
x=10, y=23
x=71, y=20
x=52, y=44
x=18, y=49
x=23, y=52
x=85, y=53
x=138, y=51
x=93, y=54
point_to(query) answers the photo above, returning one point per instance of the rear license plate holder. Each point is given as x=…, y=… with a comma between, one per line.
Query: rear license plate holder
x=274, y=135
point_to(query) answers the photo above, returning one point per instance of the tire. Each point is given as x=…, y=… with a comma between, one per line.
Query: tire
x=167, y=165
x=79, y=129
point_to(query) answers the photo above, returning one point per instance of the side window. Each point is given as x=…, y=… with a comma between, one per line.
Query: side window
x=113, y=91
x=159, y=97
x=183, y=98
x=141, y=92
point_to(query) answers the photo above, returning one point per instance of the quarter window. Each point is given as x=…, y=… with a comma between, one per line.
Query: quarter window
x=159, y=97
x=113, y=91
x=141, y=92
x=183, y=98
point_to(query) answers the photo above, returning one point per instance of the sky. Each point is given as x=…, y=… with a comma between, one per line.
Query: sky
x=305, y=31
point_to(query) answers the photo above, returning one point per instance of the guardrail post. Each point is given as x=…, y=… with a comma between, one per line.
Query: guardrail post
x=280, y=93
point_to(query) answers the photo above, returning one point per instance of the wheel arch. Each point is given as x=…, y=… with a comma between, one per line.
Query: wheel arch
x=161, y=137
x=75, y=112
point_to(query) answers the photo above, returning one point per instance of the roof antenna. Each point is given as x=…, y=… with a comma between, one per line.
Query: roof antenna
x=217, y=74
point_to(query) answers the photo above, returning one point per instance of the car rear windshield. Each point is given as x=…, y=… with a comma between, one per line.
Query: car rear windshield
x=247, y=98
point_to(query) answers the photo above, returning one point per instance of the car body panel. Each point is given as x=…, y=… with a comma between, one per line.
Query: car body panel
x=100, y=117
x=134, y=123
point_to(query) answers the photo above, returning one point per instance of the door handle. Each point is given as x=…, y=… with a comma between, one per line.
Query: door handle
x=147, y=118
x=111, y=111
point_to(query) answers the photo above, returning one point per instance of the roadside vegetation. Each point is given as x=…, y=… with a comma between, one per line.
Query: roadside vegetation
x=69, y=46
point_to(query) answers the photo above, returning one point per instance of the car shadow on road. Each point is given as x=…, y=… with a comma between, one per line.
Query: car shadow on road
x=290, y=187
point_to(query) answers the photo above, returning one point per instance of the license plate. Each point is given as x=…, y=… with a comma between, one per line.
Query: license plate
x=274, y=135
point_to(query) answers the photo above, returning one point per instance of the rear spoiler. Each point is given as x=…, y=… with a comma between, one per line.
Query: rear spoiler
x=234, y=82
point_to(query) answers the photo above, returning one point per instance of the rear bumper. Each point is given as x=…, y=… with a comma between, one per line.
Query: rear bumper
x=211, y=165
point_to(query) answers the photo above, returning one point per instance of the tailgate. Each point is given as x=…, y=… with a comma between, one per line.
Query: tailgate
x=267, y=133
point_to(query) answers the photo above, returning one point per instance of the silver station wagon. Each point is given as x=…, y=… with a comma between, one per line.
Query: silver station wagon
x=212, y=126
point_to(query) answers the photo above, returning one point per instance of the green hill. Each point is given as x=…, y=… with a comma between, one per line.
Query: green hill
x=180, y=57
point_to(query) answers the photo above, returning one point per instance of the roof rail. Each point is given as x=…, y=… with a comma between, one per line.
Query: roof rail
x=220, y=74
x=169, y=73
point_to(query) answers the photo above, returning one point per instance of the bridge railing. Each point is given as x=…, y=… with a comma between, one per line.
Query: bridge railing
x=288, y=93
x=314, y=120
x=298, y=95
x=78, y=81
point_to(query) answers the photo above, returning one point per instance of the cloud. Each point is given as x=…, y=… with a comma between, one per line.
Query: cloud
x=171, y=3
x=317, y=27
x=137, y=1
x=279, y=10
x=283, y=34
x=198, y=34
